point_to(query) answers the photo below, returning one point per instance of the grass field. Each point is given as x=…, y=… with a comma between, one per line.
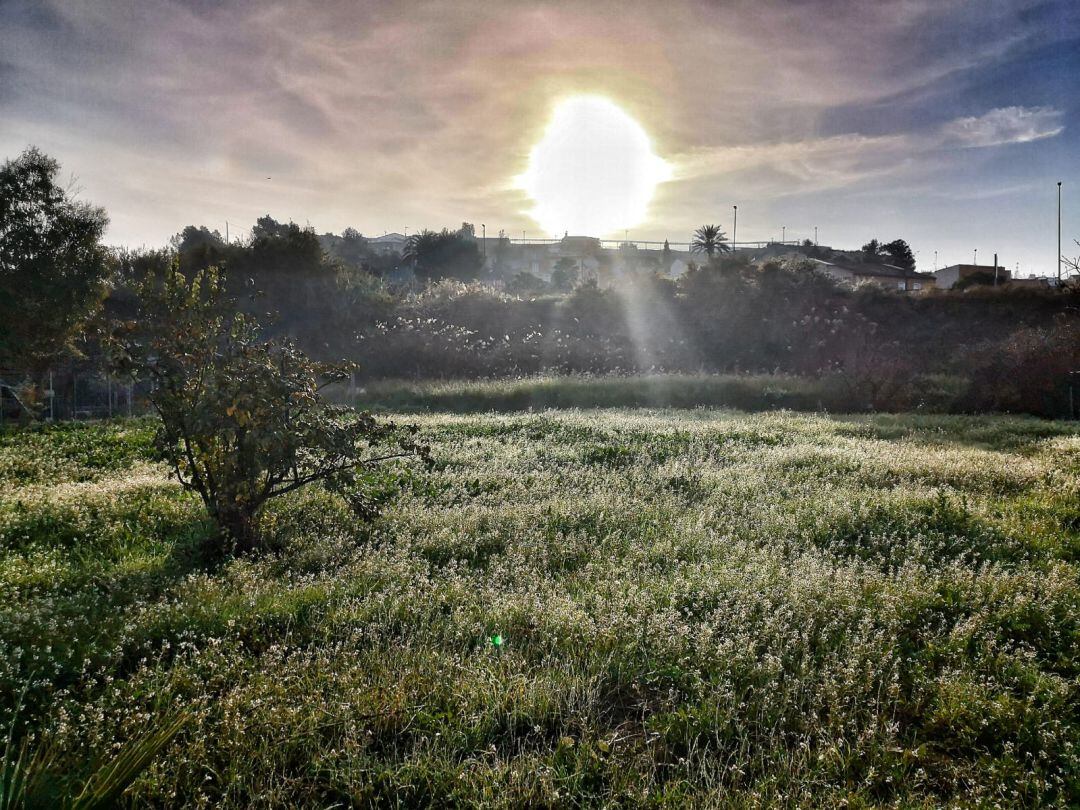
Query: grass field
x=696, y=608
x=751, y=392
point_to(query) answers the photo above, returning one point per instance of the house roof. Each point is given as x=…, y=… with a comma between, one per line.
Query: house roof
x=874, y=270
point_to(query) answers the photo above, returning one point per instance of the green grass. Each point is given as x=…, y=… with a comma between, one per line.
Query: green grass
x=697, y=607
x=643, y=391
x=751, y=392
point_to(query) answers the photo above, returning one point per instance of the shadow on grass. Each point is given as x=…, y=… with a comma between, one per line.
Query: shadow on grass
x=995, y=432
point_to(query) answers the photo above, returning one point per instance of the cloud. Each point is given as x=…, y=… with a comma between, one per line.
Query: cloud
x=1004, y=125
x=815, y=163
x=421, y=112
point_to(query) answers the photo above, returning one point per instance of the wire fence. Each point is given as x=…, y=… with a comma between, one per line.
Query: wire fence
x=67, y=394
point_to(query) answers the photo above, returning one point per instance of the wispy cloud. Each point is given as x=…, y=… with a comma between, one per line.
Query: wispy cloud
x=800, y=165
x=420, y=112
x=1005, y=125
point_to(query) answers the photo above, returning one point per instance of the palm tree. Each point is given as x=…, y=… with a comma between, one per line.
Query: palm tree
x=711, y=240
x=420, y=246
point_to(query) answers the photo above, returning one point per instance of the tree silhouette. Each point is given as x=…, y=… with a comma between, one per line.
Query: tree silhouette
x=900, y=252
x=711, y=240
x=53, y=267
x=442, y=254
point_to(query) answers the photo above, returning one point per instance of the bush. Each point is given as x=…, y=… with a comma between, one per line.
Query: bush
x=1029, y=372
x=243, y=420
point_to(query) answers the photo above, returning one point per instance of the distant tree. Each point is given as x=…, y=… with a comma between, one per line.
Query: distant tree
x=709, y=239
x=526, y=283
x=436, y=255
x=192, y=238
x=871, y=250
x=53, y=267
x=268, y=227
x=565, y=275
x=501, y=254
x=900, y=253
x=243, y=419
x=199, y=247
x=351, y=248
x=278, y=260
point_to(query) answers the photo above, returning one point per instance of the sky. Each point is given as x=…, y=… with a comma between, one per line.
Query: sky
x=944, y=122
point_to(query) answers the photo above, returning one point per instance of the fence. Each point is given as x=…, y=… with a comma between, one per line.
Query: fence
x=67, y=394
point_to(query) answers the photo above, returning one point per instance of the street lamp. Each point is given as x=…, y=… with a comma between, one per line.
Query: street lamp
x=734, y=226
x=1059, y=234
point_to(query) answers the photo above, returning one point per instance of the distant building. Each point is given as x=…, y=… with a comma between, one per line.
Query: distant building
x=388, y=243
x=594, y=261
x=889, y=276
x=948, y=277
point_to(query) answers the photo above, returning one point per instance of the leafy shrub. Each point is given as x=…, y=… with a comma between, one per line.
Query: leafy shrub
x=1029, y=372
x=243, y=420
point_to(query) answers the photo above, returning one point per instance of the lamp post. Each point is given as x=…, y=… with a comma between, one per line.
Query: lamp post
x=483, y=230
x=975, y=261
x=783, y=234
x=815, y=236
x=1059, y=234
x=734, y=226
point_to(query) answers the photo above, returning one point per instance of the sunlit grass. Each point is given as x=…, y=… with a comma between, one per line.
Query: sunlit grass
x=697, y=607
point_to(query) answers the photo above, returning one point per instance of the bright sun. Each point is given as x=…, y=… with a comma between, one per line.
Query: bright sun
x=594, y=171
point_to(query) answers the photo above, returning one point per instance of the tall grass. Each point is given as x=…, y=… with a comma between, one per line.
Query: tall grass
x=752, y=392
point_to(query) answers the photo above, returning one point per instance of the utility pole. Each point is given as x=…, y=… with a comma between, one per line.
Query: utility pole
x=1059, y=234
x=783, y=234
x=815, y=236
x=226, y=232
x=483, y=228
x=734, y=226
x=995, y=270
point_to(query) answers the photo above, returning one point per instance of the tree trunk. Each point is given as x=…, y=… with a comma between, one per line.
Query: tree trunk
x=237, y=525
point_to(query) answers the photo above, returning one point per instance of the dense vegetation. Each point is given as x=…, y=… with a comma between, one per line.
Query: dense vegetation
x=437, y=311
x=574, y=608
x=1002, y=349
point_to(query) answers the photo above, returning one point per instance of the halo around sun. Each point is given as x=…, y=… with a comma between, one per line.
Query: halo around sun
x=594, y=170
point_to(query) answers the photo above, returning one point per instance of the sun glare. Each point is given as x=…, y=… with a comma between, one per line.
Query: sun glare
x=594, y=171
